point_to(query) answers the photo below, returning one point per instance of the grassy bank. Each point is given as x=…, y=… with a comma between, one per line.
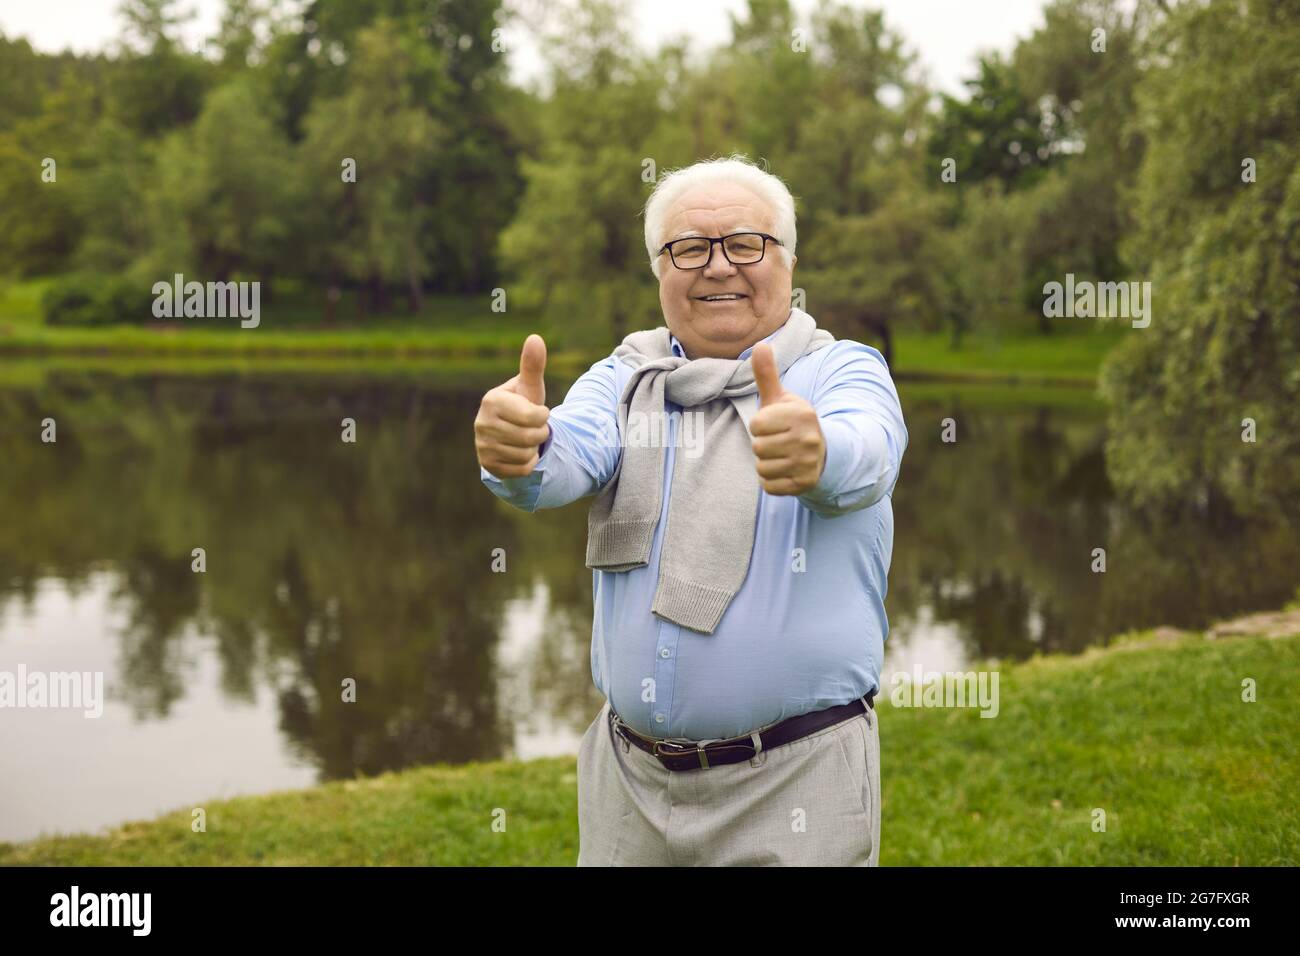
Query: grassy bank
x=1071, y=355
x=1152, y=730
x=463, y=328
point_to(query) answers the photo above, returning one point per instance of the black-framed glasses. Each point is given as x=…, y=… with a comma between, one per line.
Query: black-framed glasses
x=740, y=248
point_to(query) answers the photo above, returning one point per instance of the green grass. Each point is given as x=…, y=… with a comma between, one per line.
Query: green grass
x=461, y=328
x=473, y=372
x=1157, y=737
x=395, y=341
x=1072, y=354
x=1000, y=395
x=1151, y=730
x=20, y=301
x=290, y=326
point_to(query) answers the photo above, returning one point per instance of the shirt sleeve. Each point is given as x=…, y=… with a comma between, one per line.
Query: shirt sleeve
x=582, y=451
x=862, y=422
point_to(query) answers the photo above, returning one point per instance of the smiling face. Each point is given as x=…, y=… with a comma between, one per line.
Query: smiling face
x=726, y=327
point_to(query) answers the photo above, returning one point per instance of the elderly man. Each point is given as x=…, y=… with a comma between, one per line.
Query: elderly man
x=739, y=576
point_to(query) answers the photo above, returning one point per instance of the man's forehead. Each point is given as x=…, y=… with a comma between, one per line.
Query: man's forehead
x=729, y=203
x=687, y=232
x=698, y=220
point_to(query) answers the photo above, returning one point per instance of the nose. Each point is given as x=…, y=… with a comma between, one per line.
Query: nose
x=718, y=266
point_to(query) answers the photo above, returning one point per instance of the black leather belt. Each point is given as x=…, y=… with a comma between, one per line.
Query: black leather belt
x=680, y=756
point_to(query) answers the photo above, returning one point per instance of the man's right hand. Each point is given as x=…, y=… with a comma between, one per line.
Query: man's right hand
x=511, y=422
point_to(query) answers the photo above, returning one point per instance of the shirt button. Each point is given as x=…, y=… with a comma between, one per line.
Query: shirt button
x=663, y=652
x=659, y=718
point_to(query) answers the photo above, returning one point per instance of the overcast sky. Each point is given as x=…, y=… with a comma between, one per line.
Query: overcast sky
x=945, y=33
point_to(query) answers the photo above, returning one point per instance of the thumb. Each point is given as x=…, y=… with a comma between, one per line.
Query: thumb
x=532, y=365
x=765, y=374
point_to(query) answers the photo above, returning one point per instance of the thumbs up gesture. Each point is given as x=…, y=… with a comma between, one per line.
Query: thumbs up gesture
x=788, y=440
x=511, y=420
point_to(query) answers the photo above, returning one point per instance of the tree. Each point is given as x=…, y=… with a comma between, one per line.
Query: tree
x=367, y=229
x=871, y=272
x=457, y=77
x=238, y=35
x=39, y=226
x=1221, y=248
x=577, y=245
x=996, y=133
x=1086, y=99
x=26, y=76
x=868, y=229
x=157, y=85
x=225, y=193
x=111, y=180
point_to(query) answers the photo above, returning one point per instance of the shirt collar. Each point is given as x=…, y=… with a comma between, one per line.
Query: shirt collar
x=678, y=350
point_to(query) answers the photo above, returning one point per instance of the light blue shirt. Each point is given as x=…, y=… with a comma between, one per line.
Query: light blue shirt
x=806, y=630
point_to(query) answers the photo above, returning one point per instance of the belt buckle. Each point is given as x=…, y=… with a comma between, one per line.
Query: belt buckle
x=681, y=751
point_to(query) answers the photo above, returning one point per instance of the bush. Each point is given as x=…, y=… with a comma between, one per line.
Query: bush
x=96, y=300
x=69, y=302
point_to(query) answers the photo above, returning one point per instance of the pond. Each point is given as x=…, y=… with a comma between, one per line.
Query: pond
x=372, y=561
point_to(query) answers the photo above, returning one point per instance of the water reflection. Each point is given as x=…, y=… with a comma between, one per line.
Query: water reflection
x=996, y=535
x=373, y=561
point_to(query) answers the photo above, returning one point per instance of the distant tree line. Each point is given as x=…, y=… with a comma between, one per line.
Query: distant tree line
x=378, y=147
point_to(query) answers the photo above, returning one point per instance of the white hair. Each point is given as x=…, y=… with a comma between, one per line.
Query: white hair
x=732, y=169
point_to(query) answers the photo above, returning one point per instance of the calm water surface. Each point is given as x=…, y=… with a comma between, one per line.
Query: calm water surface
x=373, y=561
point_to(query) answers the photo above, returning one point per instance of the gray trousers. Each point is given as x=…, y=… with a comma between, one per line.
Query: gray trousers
x=812, y=802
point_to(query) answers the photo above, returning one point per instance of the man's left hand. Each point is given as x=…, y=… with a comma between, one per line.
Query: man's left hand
x=788, y=440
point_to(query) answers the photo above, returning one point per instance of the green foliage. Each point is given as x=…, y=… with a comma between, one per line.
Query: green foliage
x=448, y=107
x=25, y=77
x=108, y=193
x=38, y=157
x=871, y=235
x=997, y=132
x=228, y=162
x=986, y=257
x=1053, y=126
x=224, y=200
x=237, y=36
x=380, y=125
x=158, y=91
x=1223, y=257
x=874, y=270
x=86, y=300
x=1115, y=165
x=577, y=244
x=1086, y=99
